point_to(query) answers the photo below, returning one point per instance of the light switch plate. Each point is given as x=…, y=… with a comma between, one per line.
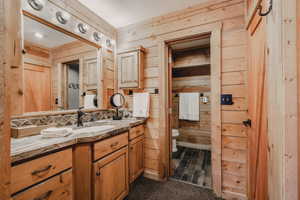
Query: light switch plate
x=226, y=99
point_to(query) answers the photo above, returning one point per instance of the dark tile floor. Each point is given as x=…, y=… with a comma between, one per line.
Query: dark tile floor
x=146, y=189
x=192, y=166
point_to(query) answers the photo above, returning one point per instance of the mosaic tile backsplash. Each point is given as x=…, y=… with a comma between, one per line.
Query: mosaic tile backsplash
x=61, y=119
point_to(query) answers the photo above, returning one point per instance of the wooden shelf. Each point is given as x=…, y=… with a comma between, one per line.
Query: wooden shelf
x=196, y=70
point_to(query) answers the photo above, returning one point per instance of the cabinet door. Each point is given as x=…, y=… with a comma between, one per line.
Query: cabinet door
x=111, y=176
x=128, y=70
x=136, y=158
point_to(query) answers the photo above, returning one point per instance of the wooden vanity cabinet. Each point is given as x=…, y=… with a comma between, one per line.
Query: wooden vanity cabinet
x=110, y=176
x=48, y=177
x=58, y=187
x=136, y=152
x=131, y=68
x=110, y=168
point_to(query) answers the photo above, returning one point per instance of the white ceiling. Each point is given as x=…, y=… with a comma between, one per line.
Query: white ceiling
x=121, y=13
x=51, y=38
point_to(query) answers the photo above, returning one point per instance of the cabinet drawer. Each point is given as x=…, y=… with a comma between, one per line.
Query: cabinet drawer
x=108, y=146
x=57, y=188
x=136, y=132
x=31, y=172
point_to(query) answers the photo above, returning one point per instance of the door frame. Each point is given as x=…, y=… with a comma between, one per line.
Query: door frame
x=215, y=32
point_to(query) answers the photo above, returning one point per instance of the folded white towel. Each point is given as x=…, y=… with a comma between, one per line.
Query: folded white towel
x=56, y=132
x=141, y=104
x=189, y=106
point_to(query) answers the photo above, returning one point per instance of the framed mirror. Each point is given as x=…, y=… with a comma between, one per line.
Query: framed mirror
x=61, y=72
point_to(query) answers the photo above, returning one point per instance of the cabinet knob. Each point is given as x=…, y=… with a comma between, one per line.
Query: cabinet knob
x=98, y=173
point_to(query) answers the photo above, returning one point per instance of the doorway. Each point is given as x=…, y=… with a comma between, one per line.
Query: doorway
x=72, y=85
x=213, y=32
x=190, y=120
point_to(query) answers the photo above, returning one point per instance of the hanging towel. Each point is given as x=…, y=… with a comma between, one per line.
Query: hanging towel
x=189, y=106
x=89, y=101
x=141, y=104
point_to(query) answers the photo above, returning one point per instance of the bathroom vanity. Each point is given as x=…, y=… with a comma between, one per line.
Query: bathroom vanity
x=97, y=161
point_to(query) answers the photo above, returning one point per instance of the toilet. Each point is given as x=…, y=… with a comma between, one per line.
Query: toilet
x=175, y=133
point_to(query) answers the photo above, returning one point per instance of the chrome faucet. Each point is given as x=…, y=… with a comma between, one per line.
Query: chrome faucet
x=79, y=117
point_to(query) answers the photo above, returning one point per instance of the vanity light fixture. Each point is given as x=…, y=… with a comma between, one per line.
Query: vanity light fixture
x=82, y=28
x=37, y=5
x=96, y=36
x=60, y=18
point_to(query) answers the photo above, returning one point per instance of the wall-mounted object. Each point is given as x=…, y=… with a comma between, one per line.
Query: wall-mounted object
x=226, y=99
x=117, y=100
x=204, y=99
x=131, y=68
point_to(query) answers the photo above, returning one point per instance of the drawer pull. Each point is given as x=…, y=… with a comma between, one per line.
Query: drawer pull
x=113, y=145
x=36, y=172
x=44, y=196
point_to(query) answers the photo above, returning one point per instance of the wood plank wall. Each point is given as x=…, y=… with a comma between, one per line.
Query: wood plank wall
x=283, y=86
x=234, y=81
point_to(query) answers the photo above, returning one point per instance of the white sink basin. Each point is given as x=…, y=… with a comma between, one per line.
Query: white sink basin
x=93, y=129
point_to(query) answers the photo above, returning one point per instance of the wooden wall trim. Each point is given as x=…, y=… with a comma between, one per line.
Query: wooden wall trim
x=283, y=88
x=164, y=137
x=298, y=66
x=216, y=138
x=8, y=58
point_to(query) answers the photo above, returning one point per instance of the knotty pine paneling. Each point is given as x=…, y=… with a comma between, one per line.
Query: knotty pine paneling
x=234, y=79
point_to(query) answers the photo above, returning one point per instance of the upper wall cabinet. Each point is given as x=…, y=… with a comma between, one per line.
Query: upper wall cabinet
x=131, y=68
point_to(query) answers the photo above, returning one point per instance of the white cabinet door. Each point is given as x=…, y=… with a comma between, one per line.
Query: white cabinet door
x=128, y=70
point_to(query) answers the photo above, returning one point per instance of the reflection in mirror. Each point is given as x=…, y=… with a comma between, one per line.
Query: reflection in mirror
x=117, y=100
x=60, y=72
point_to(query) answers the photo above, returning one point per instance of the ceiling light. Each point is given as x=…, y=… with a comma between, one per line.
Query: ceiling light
x=38, y=35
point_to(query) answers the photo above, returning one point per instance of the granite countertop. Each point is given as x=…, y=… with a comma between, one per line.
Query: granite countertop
x=32, y=146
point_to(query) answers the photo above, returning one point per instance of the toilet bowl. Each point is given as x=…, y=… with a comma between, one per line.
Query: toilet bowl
x=175, y=133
